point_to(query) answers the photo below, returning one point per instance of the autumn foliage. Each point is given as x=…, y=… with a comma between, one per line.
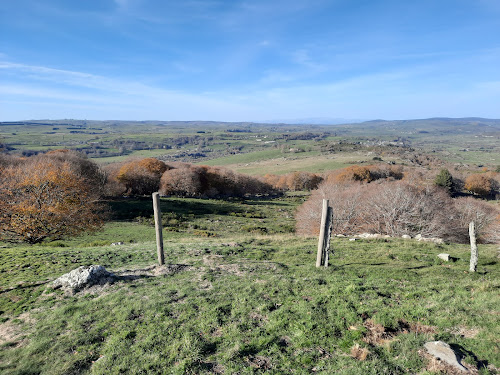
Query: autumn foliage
x=48, y=197
x=295, y=181
x=365, y=173
x=140, y=177
x=480, y=184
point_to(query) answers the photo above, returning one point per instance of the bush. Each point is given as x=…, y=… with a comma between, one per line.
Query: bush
x=48, y=197
x=141, y=177
x=211, y=182
x=444, y=179
x=480, y=184
x=397, y=208
x=365, y=173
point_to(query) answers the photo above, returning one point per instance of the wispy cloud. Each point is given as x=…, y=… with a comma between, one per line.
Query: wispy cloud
x=72, y=88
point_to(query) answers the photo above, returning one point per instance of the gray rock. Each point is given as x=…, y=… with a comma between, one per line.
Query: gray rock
x=352, y=239
x=369, y=235
x=437, y=241
x=444, y=352
x=445, y=257
x=406, y=237
x=117, y=243
x=83, y=277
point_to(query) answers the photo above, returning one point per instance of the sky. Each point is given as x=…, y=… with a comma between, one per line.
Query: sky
x=249, y=60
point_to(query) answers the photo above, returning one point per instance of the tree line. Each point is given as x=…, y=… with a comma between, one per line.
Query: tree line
x=61, y=193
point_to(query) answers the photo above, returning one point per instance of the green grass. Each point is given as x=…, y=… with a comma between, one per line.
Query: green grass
x=244, y=302
x=245, y=158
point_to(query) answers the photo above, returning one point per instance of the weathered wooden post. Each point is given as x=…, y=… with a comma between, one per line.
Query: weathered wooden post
x=324, y=235
x=321, y=239
x=158, y=228
x=473, y=247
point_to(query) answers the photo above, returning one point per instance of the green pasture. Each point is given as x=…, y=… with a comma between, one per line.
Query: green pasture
x=240, y=294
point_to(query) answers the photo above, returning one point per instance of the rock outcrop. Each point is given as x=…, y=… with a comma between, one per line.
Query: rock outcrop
x=83, y=277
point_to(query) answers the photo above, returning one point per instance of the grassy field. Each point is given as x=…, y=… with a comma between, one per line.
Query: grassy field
x=240, y=294
x=254, y=164
x=237, y=144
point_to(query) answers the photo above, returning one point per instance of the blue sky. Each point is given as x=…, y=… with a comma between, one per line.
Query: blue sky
x=249, y=60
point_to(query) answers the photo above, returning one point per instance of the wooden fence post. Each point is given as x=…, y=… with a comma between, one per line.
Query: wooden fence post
x=321, y=239
x=158, y=228
x=325, y=231
x=473, y=247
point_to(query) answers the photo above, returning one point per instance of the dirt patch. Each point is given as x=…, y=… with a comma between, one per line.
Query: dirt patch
x=261, y=319
x=212, y=260
x=259, y=362
x=359, y=353
x=465, y=332
x=12, y=332
x=156, y=270
x=376, y=334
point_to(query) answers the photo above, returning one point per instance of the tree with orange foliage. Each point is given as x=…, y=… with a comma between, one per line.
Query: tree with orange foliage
x=44, y=198
x=141, y=177
x=480, y=184
x=302, y=181
x=355, y=173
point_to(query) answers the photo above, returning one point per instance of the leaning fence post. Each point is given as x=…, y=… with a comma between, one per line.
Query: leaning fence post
x=322, y=230
x=158, y=228
x=473, y=247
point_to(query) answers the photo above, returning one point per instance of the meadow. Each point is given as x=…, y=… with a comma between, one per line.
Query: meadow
x=240, y=294
x=253, y=148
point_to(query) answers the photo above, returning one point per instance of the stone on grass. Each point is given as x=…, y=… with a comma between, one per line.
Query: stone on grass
x=437, y=241
x=445, y=257
x=369, y=235
x=83, y=277
x=406, y=237
x=445, y=353
x=117, y=243
x=352, y=239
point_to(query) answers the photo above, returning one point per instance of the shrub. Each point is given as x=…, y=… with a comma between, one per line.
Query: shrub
x=212, y=182
x=480, y=184
x=390, y=207
x=303, y=181
x=46, y=197
x=365, y=173
x=485, y=216
x=141, y=177
x=444, y=179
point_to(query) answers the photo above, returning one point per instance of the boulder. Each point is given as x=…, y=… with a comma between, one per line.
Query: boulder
x=445, y=257
x=437, y=241
x=444, y=352
x=406, y=237
x=83, y=277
